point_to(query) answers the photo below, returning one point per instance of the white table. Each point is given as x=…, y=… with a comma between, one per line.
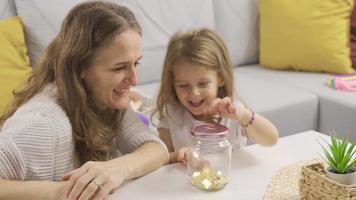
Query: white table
x=251, y=170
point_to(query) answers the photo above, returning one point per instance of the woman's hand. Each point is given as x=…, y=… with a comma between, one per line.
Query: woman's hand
x=94, y=180
x=226, y=108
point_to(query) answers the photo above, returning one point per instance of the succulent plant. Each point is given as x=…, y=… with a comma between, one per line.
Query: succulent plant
x=340, y=154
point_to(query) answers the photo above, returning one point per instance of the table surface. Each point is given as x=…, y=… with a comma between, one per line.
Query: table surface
x=251, y=170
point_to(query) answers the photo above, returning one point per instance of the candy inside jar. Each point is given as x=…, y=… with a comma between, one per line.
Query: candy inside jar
x=210, y=157
x=209, y=180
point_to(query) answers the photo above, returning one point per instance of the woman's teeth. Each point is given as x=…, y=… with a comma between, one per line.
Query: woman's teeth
x=117, y=91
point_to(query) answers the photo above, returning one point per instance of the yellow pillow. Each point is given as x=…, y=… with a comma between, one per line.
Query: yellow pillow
x=14, y=62
x=307, y=35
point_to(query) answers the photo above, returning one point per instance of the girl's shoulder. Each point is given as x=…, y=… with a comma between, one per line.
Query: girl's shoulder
x=175, y=109
x=175, y=113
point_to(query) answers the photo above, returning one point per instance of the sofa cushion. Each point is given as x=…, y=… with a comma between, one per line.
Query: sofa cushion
x=7, y=8
x=353, y=36
x=14, y=62
x=42, y=21
x=160, y=19
x=337, y=109
x=292, y=110
x=306, y=35
x=237, y=21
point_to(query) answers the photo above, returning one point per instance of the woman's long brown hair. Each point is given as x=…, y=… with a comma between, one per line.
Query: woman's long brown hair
x=86, y=30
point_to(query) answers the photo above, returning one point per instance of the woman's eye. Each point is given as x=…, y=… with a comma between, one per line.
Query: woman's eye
x=119, y=69
x=137, y=64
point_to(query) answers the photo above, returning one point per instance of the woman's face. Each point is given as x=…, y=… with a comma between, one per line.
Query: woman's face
x=114, y=71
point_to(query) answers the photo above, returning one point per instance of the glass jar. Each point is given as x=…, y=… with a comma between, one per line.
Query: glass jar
x=209, y=160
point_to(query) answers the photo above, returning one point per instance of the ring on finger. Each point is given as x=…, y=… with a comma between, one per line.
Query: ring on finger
x=97, y=183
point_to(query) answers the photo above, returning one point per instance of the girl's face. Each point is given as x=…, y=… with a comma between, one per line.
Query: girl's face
x=196, y=86
x=114, y=71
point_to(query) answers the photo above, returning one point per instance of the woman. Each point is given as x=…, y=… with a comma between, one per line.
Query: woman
x=74, y=112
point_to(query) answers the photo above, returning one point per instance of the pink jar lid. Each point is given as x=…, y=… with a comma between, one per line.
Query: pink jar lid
x=209, y=130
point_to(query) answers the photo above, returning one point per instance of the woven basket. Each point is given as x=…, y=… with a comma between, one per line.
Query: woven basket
x=314, y=184
x=284, y=184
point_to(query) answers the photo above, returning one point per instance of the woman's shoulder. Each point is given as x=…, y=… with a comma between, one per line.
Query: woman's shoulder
x=45, y=105
x=42, y=112
x=39, y=133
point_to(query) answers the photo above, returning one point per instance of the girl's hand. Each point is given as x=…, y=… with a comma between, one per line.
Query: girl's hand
x=196, y=163
x=94, y=180
x=183, y=154
x=226, y=108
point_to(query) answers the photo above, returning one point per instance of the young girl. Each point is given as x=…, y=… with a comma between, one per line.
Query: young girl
x=198, y=87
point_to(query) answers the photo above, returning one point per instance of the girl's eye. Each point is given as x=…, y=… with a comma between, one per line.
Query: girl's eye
x=203, y=83
x=183, y=86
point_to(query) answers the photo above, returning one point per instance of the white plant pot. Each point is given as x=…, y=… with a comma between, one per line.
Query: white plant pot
x=345, y=179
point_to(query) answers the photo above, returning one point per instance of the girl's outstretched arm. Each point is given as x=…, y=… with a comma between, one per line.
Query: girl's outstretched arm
x=257, y=128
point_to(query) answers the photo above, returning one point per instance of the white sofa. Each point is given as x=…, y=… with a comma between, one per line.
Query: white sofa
x=293, y=101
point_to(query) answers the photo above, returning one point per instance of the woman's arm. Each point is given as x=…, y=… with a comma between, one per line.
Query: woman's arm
x=29, y=155
x=145, y=159
x=24, y=190
x=100, y=178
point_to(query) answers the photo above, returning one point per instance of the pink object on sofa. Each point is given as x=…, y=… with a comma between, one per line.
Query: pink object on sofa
x=346, y=82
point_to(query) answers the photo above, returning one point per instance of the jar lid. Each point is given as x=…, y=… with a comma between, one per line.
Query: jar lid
x=209, y=130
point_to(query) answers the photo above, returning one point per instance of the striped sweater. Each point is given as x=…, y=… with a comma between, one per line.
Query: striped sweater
x=36, y=143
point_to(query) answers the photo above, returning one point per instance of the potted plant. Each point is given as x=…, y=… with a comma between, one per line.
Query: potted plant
x=340, y=156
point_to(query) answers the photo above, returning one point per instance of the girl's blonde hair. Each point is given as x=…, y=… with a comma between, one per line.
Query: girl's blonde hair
x=202, y=46
x=87, y=29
